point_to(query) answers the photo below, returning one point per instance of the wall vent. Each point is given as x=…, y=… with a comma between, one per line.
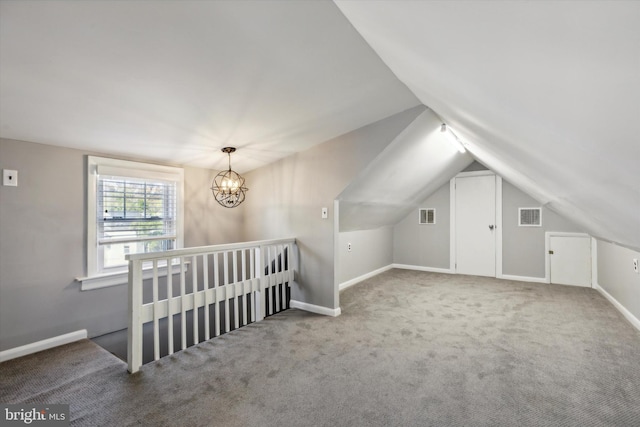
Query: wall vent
x=529, y=217
x=427, y=216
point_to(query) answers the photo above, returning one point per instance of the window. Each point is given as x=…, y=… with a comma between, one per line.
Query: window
x=529, y=217
x=131, y=208
x=427, y=216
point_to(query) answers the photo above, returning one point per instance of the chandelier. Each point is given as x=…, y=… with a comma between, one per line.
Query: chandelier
x=228, y=186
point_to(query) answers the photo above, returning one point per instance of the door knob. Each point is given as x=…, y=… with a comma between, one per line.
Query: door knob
x=491, y=227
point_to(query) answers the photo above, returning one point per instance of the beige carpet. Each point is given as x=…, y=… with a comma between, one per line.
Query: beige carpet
x=410, y=349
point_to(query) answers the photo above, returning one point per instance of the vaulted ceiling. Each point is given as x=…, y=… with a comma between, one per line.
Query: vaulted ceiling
x=546, y=94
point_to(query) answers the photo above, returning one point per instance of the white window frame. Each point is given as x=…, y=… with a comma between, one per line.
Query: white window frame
x=95, y=278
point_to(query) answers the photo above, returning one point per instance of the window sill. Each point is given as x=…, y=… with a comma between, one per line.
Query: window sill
x=107, y=280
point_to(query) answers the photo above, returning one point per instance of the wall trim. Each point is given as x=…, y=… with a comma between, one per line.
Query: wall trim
x=46, y=344
x=523, y=278
x=422, y=268
x=333, y=312
x=349, y=283
x=621, y=308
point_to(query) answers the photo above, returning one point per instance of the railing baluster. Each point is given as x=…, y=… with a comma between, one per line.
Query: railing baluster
x=183, y=305
x=259, y=298
x=225, y=257
x=207, y=299
x=252, y=274
x=278, y=275
x=156, y=312
x=270, y=272
x=216, y=285
x=243, y=260
x=236, y=304
x=194, y=292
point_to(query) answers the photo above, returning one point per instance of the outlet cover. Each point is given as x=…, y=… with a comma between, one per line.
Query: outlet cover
x=10, y=178
x=635, y=265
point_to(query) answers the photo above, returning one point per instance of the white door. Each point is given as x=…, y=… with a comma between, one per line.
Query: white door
x=475, y=225
x=570, y=260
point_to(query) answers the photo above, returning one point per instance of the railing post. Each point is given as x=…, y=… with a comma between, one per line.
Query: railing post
x=259, y=298
x=134, y=334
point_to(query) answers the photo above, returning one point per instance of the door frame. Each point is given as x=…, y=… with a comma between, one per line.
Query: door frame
x=547, y=256
x=452, y=214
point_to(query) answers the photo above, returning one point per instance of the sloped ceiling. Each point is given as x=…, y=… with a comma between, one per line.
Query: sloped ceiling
x=415, y=164
x=546, y=94
x=175, y=81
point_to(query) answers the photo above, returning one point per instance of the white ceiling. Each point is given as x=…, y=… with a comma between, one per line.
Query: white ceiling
x=175, y=81
x=547, y=94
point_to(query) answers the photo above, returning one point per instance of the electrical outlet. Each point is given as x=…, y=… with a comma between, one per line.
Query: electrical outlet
x=635, y=265
x=10, y=177
x=349, y=247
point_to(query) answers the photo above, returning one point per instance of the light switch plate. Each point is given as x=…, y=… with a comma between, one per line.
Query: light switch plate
x=325, y=213
x=10, y=178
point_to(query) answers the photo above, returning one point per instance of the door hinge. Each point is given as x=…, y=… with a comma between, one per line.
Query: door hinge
x=550, y=252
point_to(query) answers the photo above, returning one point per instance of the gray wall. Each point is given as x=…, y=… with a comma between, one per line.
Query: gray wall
x=616, y=275
x=370, y=251
x=286, y=197
x=425, y=245
x=42, y=244
x=522, y=247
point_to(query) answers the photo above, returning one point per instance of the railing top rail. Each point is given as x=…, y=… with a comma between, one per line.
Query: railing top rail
x=206, y=249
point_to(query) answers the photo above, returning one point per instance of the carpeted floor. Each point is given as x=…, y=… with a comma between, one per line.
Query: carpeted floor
x=410, y=349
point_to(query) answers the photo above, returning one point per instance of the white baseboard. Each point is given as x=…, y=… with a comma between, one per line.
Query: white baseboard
x=421, y=268
x=621, y=308
x=333, y=312
x=523, y=278
x=349, y=283
x=35, y=347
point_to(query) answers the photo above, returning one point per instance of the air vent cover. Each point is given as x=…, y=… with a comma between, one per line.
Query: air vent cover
x=427, y=216
x=529, y=217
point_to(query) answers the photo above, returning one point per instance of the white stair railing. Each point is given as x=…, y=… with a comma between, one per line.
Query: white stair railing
x=248, y=280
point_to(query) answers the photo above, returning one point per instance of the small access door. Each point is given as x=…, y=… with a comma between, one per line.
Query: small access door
x=570, y=259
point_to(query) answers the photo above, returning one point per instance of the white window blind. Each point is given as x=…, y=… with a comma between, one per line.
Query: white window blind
x=134, y=215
